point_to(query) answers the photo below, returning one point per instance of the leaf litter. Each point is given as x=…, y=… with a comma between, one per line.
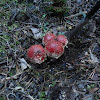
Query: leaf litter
x=75, y=75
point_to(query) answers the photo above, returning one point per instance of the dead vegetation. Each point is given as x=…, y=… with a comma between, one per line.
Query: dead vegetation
x=74, y=76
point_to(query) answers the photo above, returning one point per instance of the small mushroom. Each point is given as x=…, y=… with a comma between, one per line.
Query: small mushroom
x=62, y=39
x=36, y=54
x=54, y=49
x=48, y=37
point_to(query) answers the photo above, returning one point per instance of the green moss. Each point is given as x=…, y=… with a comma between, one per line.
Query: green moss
x=90, y=86
x=10, y=74
x=96, y=97
x=2, y=97
x=13, y=26
x=42, y=95
x=58, y=8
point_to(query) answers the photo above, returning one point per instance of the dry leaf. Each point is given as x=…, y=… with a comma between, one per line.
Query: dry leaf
x=93, y=90
x=23, y=64
x=19, y=88
x=34, y=30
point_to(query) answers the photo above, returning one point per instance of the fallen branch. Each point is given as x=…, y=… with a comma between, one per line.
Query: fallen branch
x=83, y=22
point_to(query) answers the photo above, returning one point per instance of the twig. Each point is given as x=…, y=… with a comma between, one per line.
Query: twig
x=78, y=14
x=25, y=94
x=26, y=85
x=69, y=22
x=22, y=79
x=12, y=77
x=29, y=85
x=59, y=72
x=92, y=75
x=90, y=81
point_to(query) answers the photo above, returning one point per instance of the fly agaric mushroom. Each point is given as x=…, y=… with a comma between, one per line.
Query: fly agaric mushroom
x=54, y=49
x=36, y=54
x=62, y=39
x=48, y=37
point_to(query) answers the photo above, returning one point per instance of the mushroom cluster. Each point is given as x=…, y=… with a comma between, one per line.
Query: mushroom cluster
x=54, y=47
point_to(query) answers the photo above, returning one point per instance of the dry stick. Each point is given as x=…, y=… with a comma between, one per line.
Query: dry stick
x=12, y=77
x=84, y=21
x=13, y=17
x=78, y=14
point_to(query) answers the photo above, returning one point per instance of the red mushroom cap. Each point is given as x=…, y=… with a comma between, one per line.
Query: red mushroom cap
x=62, y=39
x=48, y=37
x=54, y=49
x=36, y=54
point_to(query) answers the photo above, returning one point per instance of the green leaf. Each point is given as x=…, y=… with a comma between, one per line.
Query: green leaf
x=2, y=98
x=42, y=94
x=42, y=35
x=47, y=28
x=9, y=28
x=44, y=30
x=42, y=98
x=44, y=16
x=84, y=15
x=61, y=33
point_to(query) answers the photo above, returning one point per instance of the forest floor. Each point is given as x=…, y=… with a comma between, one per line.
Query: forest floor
x=74, y=76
